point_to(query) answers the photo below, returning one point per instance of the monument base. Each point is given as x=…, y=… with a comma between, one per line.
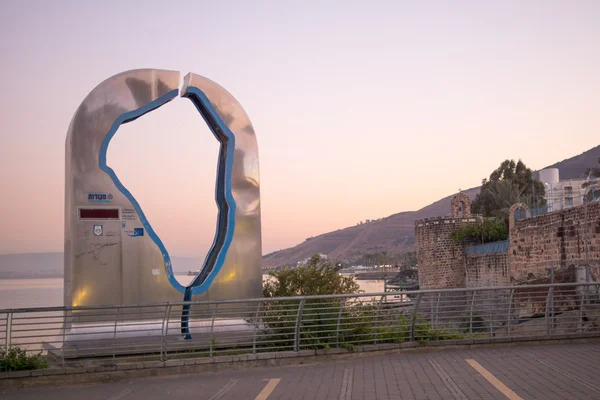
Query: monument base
x=131, y=338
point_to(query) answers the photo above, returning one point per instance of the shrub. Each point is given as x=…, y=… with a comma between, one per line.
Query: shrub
x=492, y=230
x=16, y=359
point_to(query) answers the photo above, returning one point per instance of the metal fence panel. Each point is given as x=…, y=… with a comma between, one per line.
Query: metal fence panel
x=77, y=336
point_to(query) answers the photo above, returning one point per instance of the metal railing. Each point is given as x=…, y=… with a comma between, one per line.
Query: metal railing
x=116, y=334
x=558, y=201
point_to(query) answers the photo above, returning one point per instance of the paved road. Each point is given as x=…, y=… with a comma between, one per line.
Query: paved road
x=548, y=372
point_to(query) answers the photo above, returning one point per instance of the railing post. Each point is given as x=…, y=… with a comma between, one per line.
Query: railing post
x=548, y=301
x=431, y=313
x=582, y=301
x=377, y=320
x=414, y=316
x=298, y=321
x=8, y=329
x=471, y=313
x=508, y=317
x=491, y=314
x=64, y=337
x=115, y=334
x=212, y=330
x=164, y=332
x=256, y=327
x=339, y=321
x=437, y=310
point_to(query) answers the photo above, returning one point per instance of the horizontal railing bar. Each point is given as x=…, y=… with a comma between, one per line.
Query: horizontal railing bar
x=298, y=298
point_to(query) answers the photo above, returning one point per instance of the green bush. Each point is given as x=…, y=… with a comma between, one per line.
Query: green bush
x=16, y=359
x=361, y=322
x=492, y=230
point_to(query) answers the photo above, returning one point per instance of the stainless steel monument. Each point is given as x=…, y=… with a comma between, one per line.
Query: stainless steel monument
x=112, y=253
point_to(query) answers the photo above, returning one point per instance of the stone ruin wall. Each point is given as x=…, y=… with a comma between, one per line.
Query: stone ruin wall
x=441, y=259
x=487, y=270
x=554, y=240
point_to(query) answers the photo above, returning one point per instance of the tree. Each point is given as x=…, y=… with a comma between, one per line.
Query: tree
x=318, y=277
x=592, y=186
x=510, y=183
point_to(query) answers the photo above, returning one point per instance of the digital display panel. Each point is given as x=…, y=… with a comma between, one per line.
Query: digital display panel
x=98, y=213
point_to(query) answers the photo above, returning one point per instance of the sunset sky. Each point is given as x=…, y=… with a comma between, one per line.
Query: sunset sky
x=361, y=109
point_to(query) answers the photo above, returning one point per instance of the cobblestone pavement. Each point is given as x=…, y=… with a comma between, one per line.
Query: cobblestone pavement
x=545, y=372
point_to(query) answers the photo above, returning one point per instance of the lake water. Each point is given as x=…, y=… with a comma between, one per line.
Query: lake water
x=25, y=293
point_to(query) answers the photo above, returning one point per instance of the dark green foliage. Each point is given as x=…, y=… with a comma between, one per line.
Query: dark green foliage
x=318, y=277
x=492, y=230
x=509, y=184
x=15, y=359
x=333, y=322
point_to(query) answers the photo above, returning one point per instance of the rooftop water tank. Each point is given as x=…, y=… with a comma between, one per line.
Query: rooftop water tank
x=549, y=175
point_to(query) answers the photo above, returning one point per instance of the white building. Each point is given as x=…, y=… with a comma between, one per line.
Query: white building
x=561, y=193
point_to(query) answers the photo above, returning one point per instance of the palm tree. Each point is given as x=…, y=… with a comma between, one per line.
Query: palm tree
x=504, y=194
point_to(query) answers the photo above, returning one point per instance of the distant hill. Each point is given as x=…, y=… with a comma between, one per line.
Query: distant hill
x=396, y=232
x=575, y=167
x=393, y=234
x=31, y=265
x=51, y=265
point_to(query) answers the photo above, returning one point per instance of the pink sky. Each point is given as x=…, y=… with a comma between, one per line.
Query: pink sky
x=361, y=111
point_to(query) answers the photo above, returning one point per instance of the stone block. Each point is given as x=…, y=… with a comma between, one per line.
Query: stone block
x=154, y=364
x=126, y=367
x=286, y=354
x=370, y=347
x=75, y=370
x=385, y=346
x=222, y=359
x=266, y=356
x=108, y=368
x=306, y=353
x=173, y=363
x=408, y=345
x=53, y=371
x=19, y=374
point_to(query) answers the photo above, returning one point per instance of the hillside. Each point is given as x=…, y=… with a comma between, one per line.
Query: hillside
x=393, y=234
x=396, y=232
x=31, y=265
x=575, y=167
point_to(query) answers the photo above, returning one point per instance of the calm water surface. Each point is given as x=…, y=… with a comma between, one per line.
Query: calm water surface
x=24, y=293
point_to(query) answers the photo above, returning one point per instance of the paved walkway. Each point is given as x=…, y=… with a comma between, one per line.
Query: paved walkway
x=568, y=371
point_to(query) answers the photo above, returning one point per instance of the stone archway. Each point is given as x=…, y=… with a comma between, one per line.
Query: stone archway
x=511, y=215
x=461, y=202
